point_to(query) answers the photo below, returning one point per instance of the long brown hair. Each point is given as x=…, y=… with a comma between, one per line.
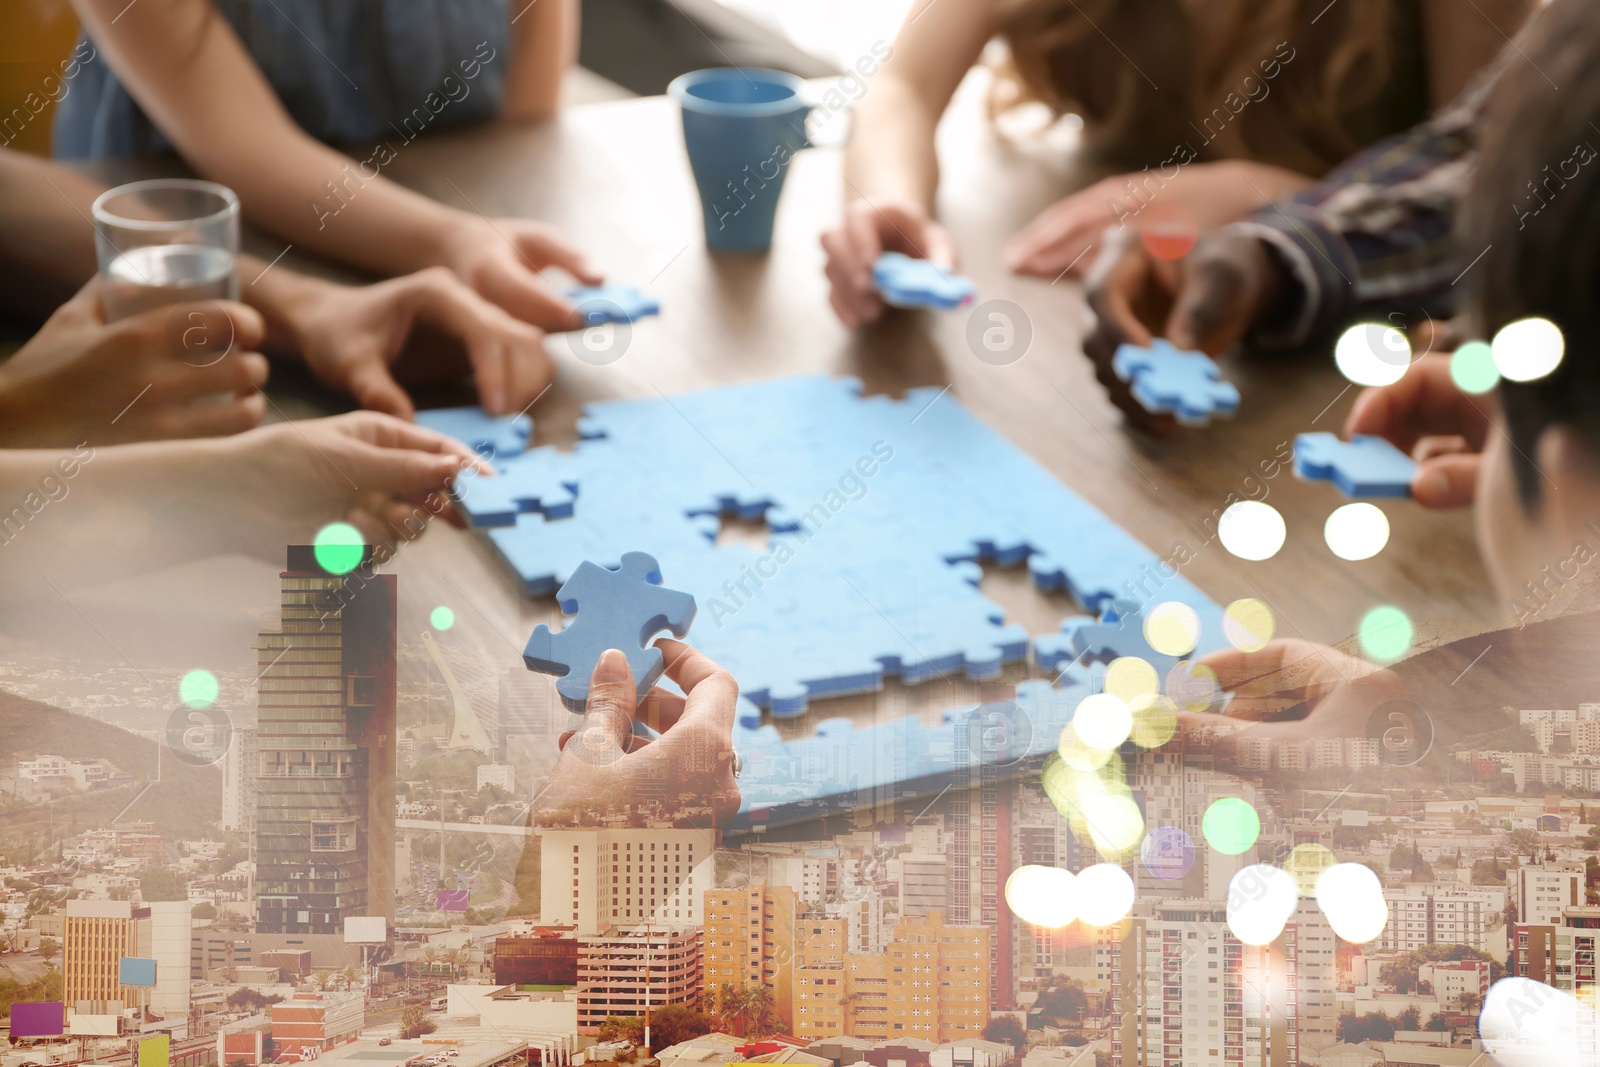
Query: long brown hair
x=1140, y=72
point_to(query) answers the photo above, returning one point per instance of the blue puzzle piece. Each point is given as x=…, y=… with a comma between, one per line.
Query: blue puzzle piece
x=601, y=304
x=1118, y=632
x=621, y=609
x=488, y=435
x=916, y=283
x=136, y=971
x=1169, y=381
x=1363, y=466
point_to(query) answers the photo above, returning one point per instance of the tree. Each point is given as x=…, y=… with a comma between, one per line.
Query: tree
x=205, y=910
x=676, y=1023
x=1373, y=1026
x=1470, y=1002
x=1410, y=1019
x=761, y=1009
x=1523, y=842
x=246, y=999
x=1063, y=998
x=629, y=1028
x=48, y=948
x=160, y=883
x=414, y=1022
x=1007, y=1030
x=1438, y=1024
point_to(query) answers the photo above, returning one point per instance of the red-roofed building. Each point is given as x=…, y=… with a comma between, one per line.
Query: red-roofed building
x=315, y=1021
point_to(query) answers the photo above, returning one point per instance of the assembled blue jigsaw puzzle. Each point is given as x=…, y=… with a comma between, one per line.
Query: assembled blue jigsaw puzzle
x=1363, y=466
x=1167, y=380
x=601, y=304
x=621, y=609
x=878, y=513
x=488, y=435
x=905, y=282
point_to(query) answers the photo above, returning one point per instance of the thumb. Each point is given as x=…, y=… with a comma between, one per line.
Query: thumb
x=1448, y=481
x=1207, y=315
x=375, y=389
x=85, y=305
x=608, y=716
x=400, y=473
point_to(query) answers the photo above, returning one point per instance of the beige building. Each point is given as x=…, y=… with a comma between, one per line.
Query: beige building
x=95, y=936
x=932, y=983
x=627, y=971
x=749, y=940
x=595, y=879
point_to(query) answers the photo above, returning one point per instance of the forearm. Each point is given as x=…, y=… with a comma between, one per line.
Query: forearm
x=891, y=154
x=544, y=47
x=46, y=239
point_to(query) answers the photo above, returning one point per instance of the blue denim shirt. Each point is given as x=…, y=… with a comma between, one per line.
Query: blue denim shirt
x=346, y=71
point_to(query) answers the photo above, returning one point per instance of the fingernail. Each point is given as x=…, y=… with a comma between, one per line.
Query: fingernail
x=613, y=667
x=1431, y=485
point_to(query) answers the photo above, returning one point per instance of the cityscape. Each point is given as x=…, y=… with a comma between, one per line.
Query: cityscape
x=347, y=882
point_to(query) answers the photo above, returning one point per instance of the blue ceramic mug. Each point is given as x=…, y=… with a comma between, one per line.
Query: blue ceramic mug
x=742, y=126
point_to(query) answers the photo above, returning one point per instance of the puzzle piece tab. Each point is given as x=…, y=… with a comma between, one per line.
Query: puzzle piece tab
x=1169, y=381
x=621, y=609
x=916, y=283
x=1118, y=632
x=601, y=304
x=1364, y=466
x=488, y=435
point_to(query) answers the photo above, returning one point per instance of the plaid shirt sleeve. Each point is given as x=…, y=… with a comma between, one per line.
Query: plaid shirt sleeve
x=1378, y=232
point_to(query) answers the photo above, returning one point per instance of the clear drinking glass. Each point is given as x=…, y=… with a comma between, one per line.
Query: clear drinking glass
x=166, y=241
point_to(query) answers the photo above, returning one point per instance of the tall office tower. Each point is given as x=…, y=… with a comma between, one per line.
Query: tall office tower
x=171, y=945
x=749, y=940
x=527, y=715
x=978, y=845
x=594, y=879
x=1186, y=993
x=325, y=726
x=239, y=769
x=95, y=936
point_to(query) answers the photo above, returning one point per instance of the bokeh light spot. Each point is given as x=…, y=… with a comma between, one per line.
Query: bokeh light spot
x=442, y=618
x=1167, y=853
x=1385, y=633
x=1528, y=349
x=1155, y=721
x=1079, y=756
x=1356, y=531
x=198, y=689
x=1369, y=353
x=1172, y=629
x=1260, y=900
x=1472, y=368
x=1043, y=896
x=1102, y=721
x=1306, y=864
x=339, y=548
x=1351, y=897
x=1231, y=826
x=1105, y=894
x=1130, y=677
x=1248, y=624
x=1115, y=824
x=1252, y=530
x=1192, y=686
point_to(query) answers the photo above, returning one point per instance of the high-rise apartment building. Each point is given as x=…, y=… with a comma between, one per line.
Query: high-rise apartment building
x=1563, y=955
x=1440, y=913
x=1187, y=993
x=1542, y=892
x=932, y=983
x=749, y=940
x=239, y=768
x=594, y=879
x=95, y=936
x=325, y=738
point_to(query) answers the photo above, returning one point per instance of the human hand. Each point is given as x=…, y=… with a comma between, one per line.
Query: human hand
x=180, y=371
x=504, y=260
x=1206, y=301
x=866, y=232
x=1292, y=689
x=385, y=477
x=605, y=771
x=1210, y=195
x=1442, y=428
x=357, y=338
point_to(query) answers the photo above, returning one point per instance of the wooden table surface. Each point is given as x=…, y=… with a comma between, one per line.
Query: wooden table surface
x=615, y=178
